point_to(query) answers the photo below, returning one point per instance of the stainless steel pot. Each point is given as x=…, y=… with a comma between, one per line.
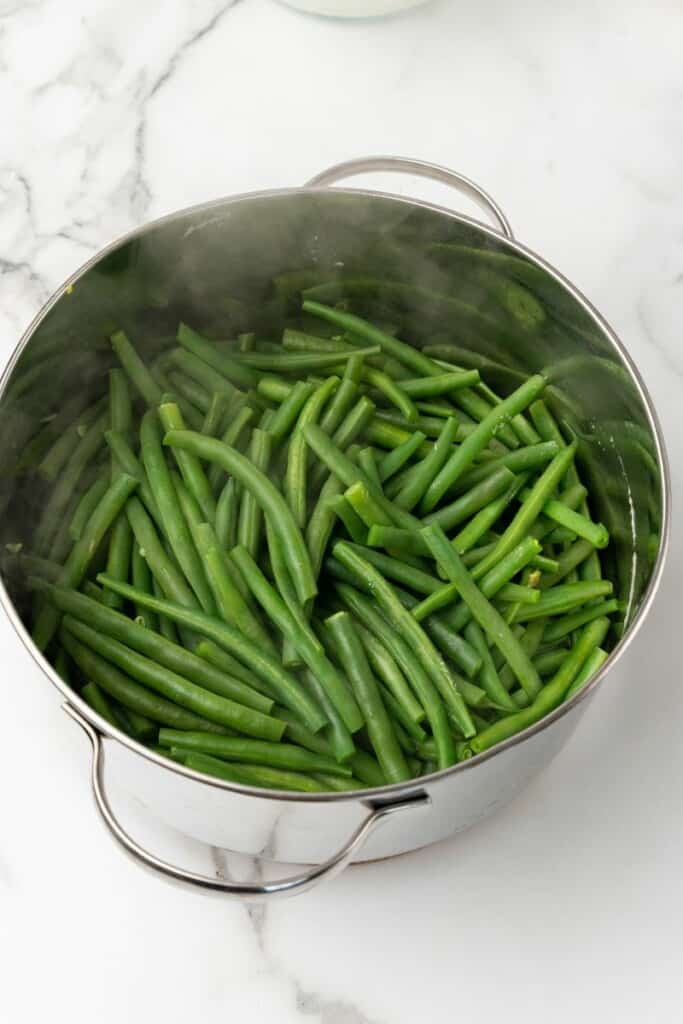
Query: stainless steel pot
x=433, y=272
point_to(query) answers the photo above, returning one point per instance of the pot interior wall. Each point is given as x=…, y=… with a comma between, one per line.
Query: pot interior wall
x=240, y=265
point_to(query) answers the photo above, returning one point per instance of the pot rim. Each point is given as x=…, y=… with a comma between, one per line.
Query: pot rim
x=394, y=791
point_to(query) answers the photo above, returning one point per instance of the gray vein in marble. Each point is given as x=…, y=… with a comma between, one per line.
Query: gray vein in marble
x=176, y=58
x=329, y=1011
x=308, y=1003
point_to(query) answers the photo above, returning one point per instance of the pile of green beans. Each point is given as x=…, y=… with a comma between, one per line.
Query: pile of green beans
x=320, y=563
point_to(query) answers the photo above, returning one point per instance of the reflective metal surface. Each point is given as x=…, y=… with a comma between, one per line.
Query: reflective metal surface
x=446, y=282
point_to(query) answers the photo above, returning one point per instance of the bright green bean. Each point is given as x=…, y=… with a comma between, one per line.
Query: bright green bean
x=366, y=690
x=482, y=611
x=76, y=565
x=250, y=519
x=254, y=775
x=432, y=662
x=135, y=369
x=260, y=662
x=550, y=695
x=252, y=751
x=190, y=467
x=269, y=498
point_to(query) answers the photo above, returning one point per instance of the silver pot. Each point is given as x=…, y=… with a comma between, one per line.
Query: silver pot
x=218, y=260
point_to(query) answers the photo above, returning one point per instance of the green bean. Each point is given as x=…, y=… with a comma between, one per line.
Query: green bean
x=192, y=399
x=357, y=327
x=321, y=522
x=299, y=341
x=567, y=561
x=163, y=567
x=488, y=677
x=190, y=467
x=564, y=598
x=254, y=775
x=141, y=577
x=335, y=732
x=129, y=693
x=519, y=461
x=250, y=519
x=476, y=498
x=295, y=485
x=366, y=690
x=283, y=583
x=546, y=664
x=579, y=524
x=439, y=384
x=120, y=404
x=269, y=498
x=209, y=378
x=529, y=510
x=392, y=538
x=348, y=430
x=519, y=594
x=557, y=630
x=344, y=396
x=425, y=652
x=438, y=599
x=260, y=662
x=167, y=628
x=481, y=523
x=401, y=720
x=135, y=369
x=215, y=415
x=211, y=706
x=427, y=470
x=392, y=462
x=299, y=734
x=412, y=668
x=231, y=437
x=229, y=601
x=276, y=755
x=354, y=525
x=273, y=388
x=226, y=515
x=219, y=658
x=303, y=640
x=288, y=413
x=40, y=568
x=118, y=556
x=462, y=458
x=482, y=611
x=366, y=461
x=54, y=509
x=550, y=695
x=591, y=665
x=86, y=506
x=390, y=675
x=175, y=526
x=207, y=351
x=76, y=565
x=388, y=435
x=99, y=702
x=431, y=426
x=365, y=506
x=393, y=392
x=301, y=362
x=131, y=465
x=344, y=468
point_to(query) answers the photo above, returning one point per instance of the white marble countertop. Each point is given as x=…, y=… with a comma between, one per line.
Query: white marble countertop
x=569, y=903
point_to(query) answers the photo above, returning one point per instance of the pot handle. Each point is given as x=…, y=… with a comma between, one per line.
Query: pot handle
x=421, y=169
x=378, y=813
